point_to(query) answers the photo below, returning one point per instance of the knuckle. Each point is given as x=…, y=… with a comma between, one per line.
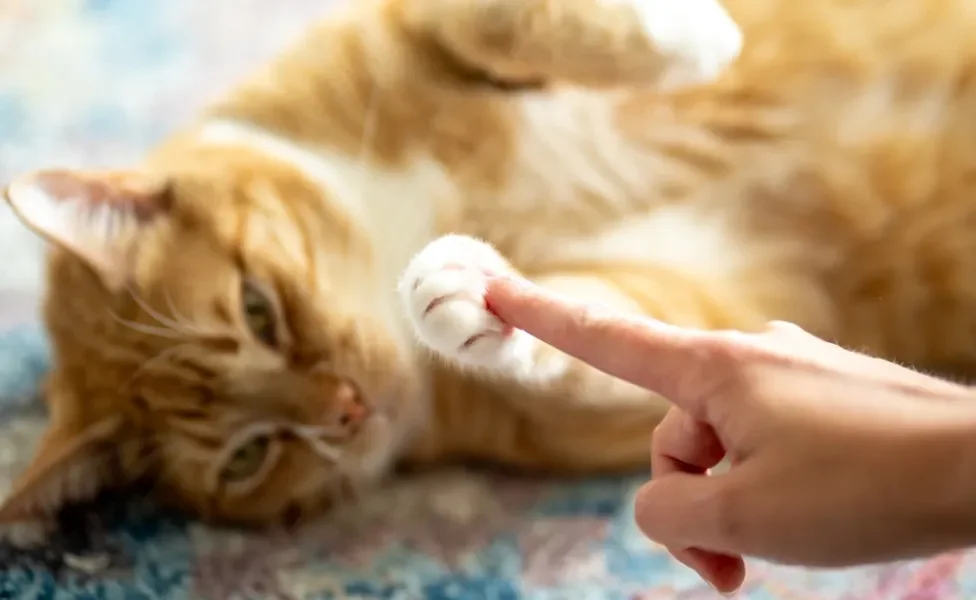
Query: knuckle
x=780, y=326
x=784, y=330
x=727, y=358
x=726, y=347
x=736, y=351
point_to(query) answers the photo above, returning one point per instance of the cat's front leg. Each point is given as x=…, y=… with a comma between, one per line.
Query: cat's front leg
x=589, y=42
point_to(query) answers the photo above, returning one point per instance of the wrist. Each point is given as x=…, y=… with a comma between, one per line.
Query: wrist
x=947, y=494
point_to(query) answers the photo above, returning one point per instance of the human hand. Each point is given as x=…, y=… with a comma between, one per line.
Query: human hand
x=836, y=458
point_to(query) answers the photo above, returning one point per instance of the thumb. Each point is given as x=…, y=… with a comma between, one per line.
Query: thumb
x=679, y=511
x=684, y=510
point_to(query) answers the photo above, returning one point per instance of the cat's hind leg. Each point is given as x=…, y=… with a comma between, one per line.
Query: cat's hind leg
x=588, y=42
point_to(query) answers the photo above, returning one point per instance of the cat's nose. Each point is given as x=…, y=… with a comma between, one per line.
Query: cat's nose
x=350, y=408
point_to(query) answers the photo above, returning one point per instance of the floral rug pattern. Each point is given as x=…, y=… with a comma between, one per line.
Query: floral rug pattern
x=93, y=83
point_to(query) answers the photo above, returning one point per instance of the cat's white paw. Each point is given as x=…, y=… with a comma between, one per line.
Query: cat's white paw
x=443, y=294
x=699, y=37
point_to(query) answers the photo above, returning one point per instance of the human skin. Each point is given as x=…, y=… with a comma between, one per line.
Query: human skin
x=837, y=458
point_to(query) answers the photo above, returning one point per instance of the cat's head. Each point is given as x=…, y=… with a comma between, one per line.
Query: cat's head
x=208, y=334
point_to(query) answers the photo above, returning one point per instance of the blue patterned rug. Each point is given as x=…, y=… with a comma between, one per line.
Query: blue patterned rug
x=441, y=535
x=94, y=82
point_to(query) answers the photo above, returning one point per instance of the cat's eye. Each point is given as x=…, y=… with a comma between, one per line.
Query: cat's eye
x=247, y=460
x=259, y=313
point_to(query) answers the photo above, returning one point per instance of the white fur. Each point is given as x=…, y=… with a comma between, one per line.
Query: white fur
x=680, y=237
x=570, y=146
x=698, y=35
x=58, y=217
x=443, y=295
x=91, y=230
x=571, y=154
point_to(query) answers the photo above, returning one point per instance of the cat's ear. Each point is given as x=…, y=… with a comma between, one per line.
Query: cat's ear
x=97, y=215
x=69, y=465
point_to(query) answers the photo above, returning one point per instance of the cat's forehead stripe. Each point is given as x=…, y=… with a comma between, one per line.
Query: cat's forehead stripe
x=308, y=162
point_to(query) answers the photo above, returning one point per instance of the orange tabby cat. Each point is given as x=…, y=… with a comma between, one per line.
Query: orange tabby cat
x=238, y=317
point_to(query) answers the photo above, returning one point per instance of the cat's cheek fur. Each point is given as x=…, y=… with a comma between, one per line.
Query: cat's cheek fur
x=443, y=295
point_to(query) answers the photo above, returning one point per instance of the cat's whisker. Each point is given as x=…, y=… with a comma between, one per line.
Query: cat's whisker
x=326, y=364
x=163, y=354
x=152, y=312
x=147, y=329
x=176, y=315
x=322, y=448
x=180, y=319
x=319, y=431
x=178, y=322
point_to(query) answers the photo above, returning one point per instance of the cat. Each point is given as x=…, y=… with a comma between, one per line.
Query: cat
x=285, y=299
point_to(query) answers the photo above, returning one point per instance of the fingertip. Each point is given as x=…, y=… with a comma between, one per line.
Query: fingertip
x=501, y=290
x=665, y=512
x=726, y=573
x=723, y=572
x=646, y=509
x=513, y=299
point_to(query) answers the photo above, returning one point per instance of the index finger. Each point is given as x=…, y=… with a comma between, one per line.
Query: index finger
x=666, y=359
